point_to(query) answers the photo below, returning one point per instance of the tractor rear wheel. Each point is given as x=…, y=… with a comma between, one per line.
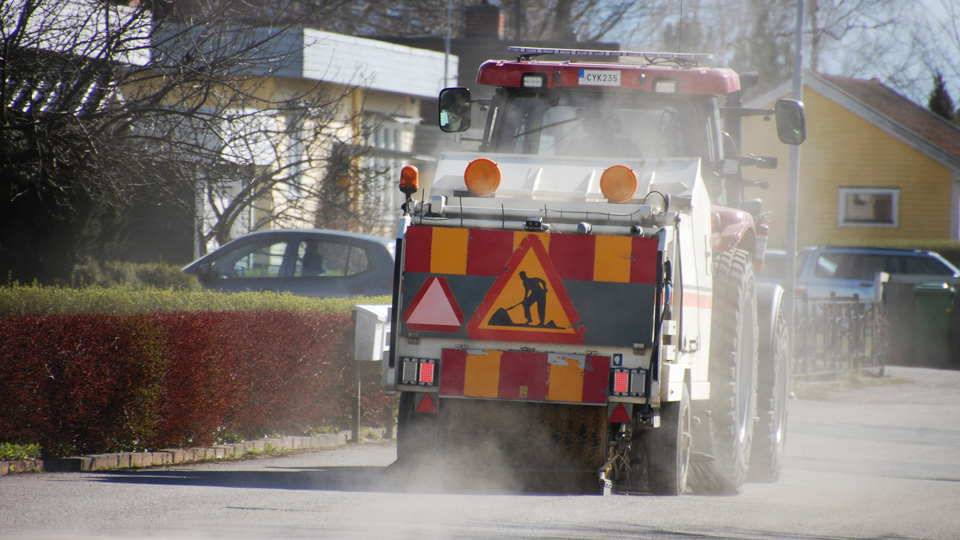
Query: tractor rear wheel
x=733, y=364
x=773, y=382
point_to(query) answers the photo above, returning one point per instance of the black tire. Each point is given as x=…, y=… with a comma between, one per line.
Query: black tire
x=667, y=448
x=773, y=387
x=733, y=364
x=416, y=433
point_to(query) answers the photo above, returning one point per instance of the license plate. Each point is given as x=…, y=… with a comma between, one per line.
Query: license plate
x=599, y=77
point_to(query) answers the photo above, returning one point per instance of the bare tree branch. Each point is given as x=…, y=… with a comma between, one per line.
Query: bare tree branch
x=105, y=105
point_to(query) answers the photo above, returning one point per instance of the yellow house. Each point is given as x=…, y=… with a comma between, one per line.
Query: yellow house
x=383, y=84
x=875, y=166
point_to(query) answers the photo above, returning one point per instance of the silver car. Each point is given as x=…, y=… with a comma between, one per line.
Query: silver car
x=306, y=262
x=849, y=271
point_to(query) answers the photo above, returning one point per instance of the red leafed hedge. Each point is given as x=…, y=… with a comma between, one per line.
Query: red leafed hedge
x=97, y=383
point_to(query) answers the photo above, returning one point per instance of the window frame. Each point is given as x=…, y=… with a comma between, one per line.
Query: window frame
x=845, y=192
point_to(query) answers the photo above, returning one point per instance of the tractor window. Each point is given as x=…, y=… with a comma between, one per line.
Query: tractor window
x=595, y=125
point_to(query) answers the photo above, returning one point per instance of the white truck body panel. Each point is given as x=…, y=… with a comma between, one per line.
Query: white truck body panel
x=533, y=186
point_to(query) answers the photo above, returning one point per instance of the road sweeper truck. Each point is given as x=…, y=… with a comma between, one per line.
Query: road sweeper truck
x=578, y=293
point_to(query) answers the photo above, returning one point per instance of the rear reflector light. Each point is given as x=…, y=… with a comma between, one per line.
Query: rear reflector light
x=426, y=372
x=628, y=382
x=419, y=371
x=621, y=382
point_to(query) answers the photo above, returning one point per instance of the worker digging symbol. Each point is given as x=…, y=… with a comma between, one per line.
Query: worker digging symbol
x=529, y=282
x=535, y=293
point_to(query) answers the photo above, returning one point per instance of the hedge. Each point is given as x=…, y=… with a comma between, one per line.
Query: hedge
x=90, y=383
x=17, y=299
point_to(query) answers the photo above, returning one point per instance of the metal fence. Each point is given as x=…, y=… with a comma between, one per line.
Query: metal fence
x=911, y=324
x=837, y=335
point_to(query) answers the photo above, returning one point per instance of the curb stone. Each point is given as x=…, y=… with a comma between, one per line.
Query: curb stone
x=176, y=456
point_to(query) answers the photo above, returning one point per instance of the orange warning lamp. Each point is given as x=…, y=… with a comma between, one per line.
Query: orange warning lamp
x=618, y=183
x=482, y=177
x=409, y=180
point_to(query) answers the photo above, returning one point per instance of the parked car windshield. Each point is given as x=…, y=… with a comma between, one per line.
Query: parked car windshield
x=864, y=266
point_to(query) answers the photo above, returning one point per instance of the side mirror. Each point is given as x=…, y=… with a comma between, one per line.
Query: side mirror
x=455, y=109
x=754, y=207
x=791, y=121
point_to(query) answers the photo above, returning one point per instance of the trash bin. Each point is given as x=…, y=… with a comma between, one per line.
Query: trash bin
x=900, y=314
x=934, y=304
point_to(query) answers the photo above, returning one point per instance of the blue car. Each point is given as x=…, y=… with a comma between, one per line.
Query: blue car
x=848, y=271
x=306, y=262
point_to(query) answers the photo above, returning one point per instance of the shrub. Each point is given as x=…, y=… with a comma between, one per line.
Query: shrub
x=76, y=384
x=133, y=275
x=202, y=382
x=303, y=384
x=89, y=383
x=19, y=451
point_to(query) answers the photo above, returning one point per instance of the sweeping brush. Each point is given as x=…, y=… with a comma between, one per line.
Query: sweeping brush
x=704, y=476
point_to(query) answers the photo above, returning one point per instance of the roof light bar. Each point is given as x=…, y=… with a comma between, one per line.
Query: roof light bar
x=687, y=58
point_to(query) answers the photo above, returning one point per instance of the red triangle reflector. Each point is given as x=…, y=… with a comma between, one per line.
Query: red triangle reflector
x=434, y=308
x=620, y=415
x=427, y=405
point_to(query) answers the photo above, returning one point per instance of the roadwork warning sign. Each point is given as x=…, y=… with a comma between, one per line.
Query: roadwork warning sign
x=527, y=302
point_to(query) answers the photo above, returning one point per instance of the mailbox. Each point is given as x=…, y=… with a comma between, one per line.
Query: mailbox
x=371, y=333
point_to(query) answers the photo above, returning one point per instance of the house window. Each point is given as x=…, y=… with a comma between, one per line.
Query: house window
x=388, y=154
x=869, y=207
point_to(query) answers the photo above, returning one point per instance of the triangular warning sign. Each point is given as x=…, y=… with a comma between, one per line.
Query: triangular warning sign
x=434, y=309
x=527, y=302
x=620, y=415
x=426, y=405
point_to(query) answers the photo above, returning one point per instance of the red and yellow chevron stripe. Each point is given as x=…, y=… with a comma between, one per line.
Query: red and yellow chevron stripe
x=473, y=252
x=524, y=375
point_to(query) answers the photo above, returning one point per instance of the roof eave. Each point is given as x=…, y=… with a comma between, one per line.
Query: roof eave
x=847, y=101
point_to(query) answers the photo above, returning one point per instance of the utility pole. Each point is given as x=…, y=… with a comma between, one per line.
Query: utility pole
x=793, y=190
x=517, y=21
x=446, y=46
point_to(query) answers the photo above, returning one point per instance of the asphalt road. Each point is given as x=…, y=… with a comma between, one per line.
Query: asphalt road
x=878, y=461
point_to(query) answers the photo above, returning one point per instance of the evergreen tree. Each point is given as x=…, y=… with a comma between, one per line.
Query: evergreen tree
x=940, y=102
